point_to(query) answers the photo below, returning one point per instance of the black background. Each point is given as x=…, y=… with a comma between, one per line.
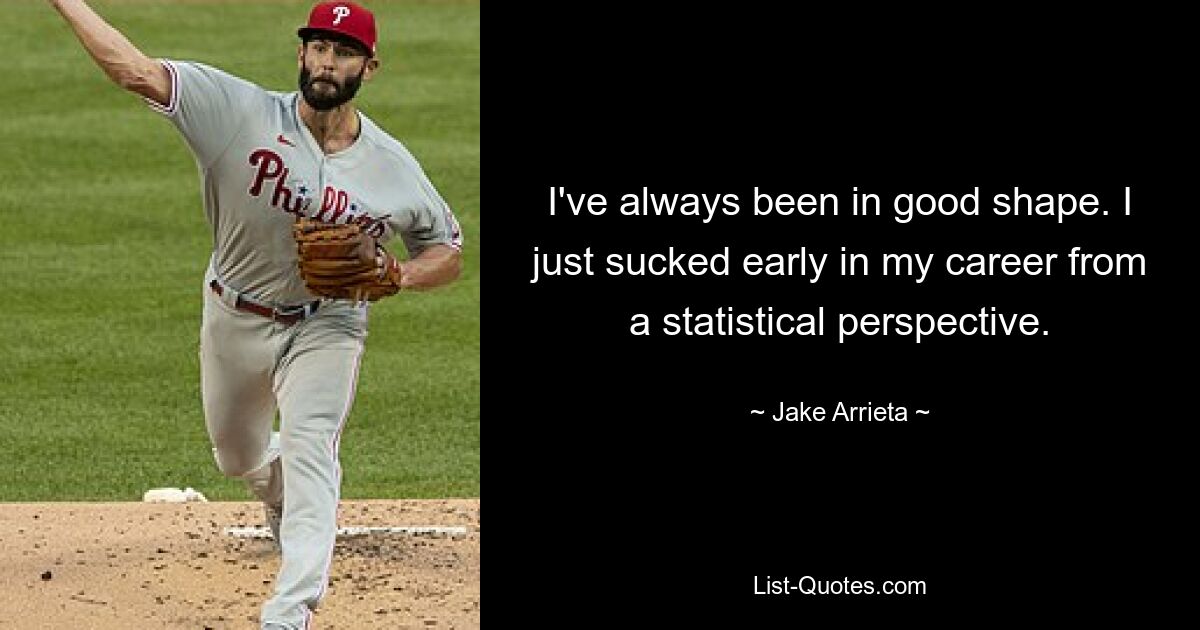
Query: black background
x=636, y=490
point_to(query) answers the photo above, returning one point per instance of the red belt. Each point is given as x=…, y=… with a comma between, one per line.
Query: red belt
x=286, y=317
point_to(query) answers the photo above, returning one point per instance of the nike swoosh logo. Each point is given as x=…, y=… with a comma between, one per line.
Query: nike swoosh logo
x=285, y=140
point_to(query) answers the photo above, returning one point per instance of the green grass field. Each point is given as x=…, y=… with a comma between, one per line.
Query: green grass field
x=103, y=247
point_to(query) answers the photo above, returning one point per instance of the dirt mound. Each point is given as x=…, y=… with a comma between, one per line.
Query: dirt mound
x=138, y=565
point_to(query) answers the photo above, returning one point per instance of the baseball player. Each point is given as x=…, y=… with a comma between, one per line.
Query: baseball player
x=281, y=329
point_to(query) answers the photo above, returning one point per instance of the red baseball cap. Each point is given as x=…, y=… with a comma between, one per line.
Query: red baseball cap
x=345, y=18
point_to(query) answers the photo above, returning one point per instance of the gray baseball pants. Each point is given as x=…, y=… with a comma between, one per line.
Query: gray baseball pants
x=251, y=367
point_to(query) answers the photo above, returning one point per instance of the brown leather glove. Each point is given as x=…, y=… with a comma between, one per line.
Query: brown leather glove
x=344, y=262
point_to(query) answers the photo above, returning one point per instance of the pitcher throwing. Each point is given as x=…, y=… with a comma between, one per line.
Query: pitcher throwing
x=301, y=191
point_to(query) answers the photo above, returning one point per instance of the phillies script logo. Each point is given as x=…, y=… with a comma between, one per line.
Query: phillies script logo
x=334, y=203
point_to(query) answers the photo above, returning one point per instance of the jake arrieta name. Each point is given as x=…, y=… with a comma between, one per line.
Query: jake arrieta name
x=843, y=412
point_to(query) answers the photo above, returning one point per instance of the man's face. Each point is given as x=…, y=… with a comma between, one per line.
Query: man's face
x=331, y=72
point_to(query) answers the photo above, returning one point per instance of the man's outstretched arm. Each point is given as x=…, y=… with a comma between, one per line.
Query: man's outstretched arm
x=127, y=66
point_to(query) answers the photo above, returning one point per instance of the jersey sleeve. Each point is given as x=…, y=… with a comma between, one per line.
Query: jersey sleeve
x=207, y=105
x=430, y=220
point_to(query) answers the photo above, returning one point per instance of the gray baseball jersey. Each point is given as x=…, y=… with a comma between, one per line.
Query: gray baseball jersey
x=261, y=167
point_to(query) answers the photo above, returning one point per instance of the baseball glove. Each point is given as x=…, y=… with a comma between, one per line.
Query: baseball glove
x=344, y=262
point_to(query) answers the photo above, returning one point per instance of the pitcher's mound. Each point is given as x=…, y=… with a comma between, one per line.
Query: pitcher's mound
x=138, y=565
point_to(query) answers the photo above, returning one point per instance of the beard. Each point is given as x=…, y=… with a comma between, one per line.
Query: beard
x=329, y=95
